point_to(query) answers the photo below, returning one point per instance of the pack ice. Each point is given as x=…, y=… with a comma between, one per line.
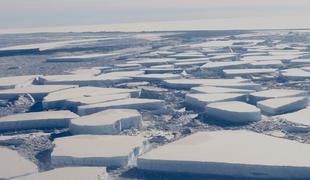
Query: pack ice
x=97, y=150
x=275, y=93
x=111, y=121
x=224, y=153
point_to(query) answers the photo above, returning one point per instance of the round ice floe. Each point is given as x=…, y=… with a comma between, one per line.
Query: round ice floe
x=234, y=111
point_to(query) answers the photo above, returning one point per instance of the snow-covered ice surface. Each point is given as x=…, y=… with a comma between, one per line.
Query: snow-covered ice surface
x=97, y=150
x=70, y=173
x=237, y=153
x=110, y=121
x=14, y=165
x=172, y=85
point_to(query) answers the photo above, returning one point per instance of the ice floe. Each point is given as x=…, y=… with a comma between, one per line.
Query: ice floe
x=111, y=121
x=274, y=93
x=130, y=103
x=70, y=173
x=97, y=150
x=277, y=106
x=36, y=120
x=200, y=100
x=14, y=165
x=224, y=153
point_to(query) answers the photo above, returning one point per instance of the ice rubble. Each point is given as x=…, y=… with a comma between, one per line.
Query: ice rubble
x=70, y=173
x=14, y=165
x=61, y=99
x=36, y=120
x=36, y=91
x=224, y=153
x=152, y=62
x=200, y=100
x=17, y=81
x=81, y=58
x=187, y=55
x=277, y=106
x=111, y=121
x=130, y=103
x=274, y=93
x=97, y=150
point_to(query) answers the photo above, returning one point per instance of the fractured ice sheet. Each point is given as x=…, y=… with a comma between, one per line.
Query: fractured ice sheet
x=36, y=120
x=224, y=153
x=97, y=150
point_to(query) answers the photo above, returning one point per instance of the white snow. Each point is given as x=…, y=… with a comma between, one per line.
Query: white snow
x=214, y=90
x=97, y=150
x=111, y=121
x=274, y=93
x=61, y=99
x=277, y=106
x=200, y=100
x=130, y=103
x=156, y=70
x=36, y=91
x=36, y=120
x=267, y=64
x=16, y=81
x=233, y=111
x=70, y=173
x=233, y=153
x=13, y=165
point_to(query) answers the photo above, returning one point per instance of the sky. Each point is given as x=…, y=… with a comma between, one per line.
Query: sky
x=23, y=14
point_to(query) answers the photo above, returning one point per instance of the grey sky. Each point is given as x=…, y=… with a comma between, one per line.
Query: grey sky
x=50, y=13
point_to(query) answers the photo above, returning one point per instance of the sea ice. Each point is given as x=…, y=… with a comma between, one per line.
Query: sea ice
x=130, y=103
x=97, y=150
x=111, y=121
x=70, y=173
x=277, y=106
x=14, y=165
x=238, y=153
x=200, y=100
x=274, y=93
x=36, y=120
